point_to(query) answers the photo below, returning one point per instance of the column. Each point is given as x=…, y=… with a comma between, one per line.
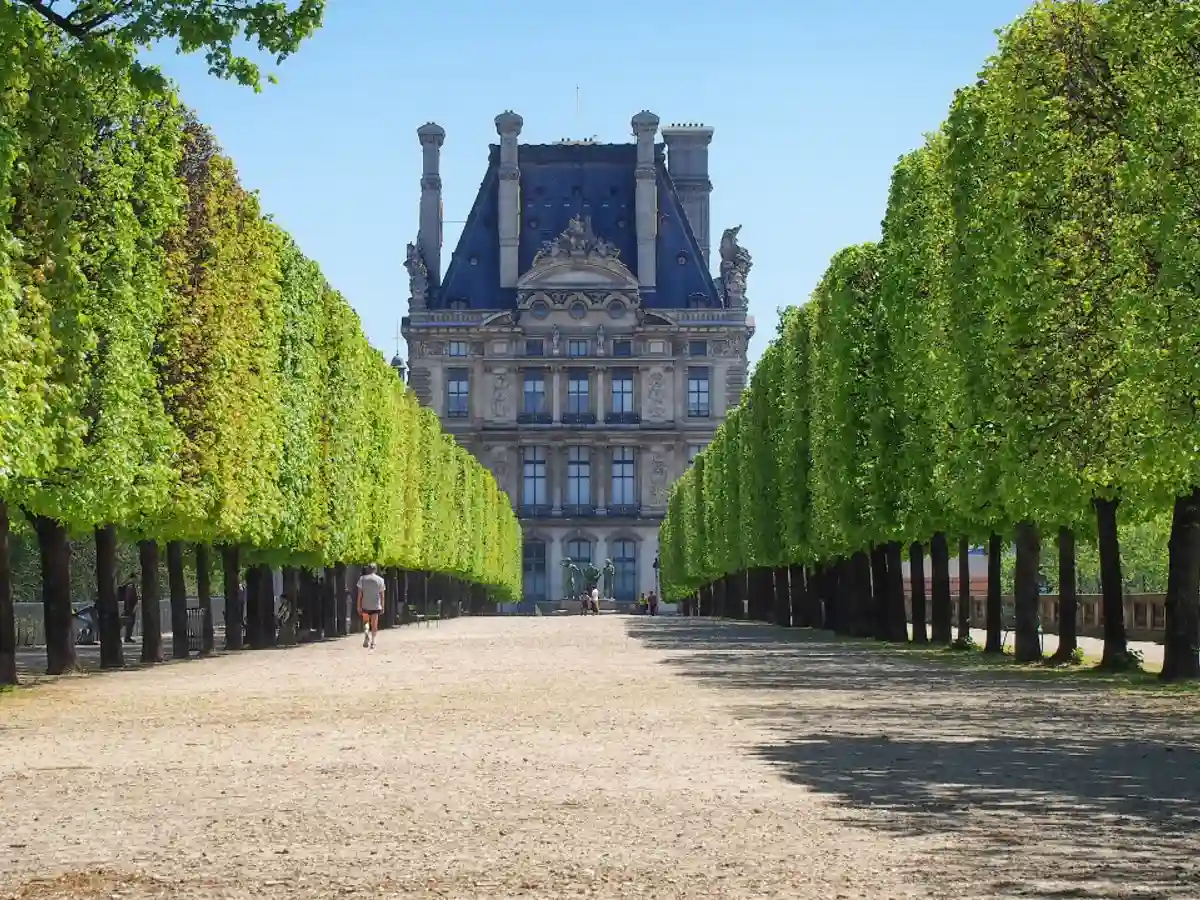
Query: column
x=555, y=400
x=508, y=126
x=553, y=568
x=555, y=471
x=600, y=395
x=599, y=479
x=645, y=127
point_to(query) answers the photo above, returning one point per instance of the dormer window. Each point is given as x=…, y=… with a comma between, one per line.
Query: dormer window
x=682, y=258
x=458, y=304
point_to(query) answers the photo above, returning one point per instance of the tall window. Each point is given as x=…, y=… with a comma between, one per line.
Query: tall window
x=623, y=477
x=698, y=405
x=534, y=569
x=577, y=392
x=622, y=391
x=625, y=581
x=533, y=398
x=579, y=551
x=534, y=347
x=622, y=348
x=579, y=476
x=533, y=464
x=577, y=347
x=458, y=404
x=695, y=450
x=697, y=348
x=457, y=348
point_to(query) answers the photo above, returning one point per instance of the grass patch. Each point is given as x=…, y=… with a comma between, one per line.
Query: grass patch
x=971, y=658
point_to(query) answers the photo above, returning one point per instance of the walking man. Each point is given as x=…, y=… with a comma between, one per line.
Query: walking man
x=370, y=603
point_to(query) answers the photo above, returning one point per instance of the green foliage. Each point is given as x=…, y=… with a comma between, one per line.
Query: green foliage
x=1023, y=338
x=108, y=27
x=175, y=366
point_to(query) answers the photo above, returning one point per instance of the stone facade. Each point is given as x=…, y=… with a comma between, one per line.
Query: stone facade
x=559, y=351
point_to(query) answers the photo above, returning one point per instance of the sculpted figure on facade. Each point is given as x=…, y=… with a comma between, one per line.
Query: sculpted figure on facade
x=577, y=241
x=500, y=396
x=658, y=480
x=600, y=341
x=418, y=277
x=555, y=340
x=656, y=396
x=735, y=269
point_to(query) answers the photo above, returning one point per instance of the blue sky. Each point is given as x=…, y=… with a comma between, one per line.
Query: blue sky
x=812, y=102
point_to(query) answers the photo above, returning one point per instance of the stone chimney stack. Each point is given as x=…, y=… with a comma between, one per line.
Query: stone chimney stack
x=645, y=127
x=429, y=232
x=687, y=163
x=508, y=126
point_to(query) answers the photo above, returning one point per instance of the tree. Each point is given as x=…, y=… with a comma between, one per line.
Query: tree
x=194, y=25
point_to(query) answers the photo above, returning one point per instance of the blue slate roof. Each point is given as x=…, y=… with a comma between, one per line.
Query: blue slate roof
x=558, y=182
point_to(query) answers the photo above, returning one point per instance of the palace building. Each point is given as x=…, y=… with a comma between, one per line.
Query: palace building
x=578, y=342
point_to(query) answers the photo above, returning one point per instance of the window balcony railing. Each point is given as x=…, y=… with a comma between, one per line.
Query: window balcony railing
x=622, y=418
x=579, y=509
x=533, y=511
x=585, y=418
x=535, y=418
x=623, y=511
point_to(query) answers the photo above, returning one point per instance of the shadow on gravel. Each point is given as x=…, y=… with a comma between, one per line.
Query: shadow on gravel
x=1031, y=788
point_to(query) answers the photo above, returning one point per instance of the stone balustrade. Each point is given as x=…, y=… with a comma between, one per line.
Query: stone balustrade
x=1145, y=614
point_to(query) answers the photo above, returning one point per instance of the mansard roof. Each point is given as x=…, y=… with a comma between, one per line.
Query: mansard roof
x=558, y=183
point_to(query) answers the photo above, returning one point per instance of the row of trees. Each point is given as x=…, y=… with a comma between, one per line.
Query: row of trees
x=1017, y=358
x=174, y=370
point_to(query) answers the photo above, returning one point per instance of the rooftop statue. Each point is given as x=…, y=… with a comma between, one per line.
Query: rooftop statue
x=735, y=268
x=576, y=242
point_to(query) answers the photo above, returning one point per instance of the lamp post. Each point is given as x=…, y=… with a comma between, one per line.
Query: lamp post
x=656, y=575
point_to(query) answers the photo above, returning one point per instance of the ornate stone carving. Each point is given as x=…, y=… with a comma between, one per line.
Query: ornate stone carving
x=658, y=480
x=600, y=341
x=735, y=269
x=656, y=396
x=500, y=396
x=578, y=241
x=418, y=278
x=555, y=340
x=430, y=348
x=500, y=470
x=735, y=346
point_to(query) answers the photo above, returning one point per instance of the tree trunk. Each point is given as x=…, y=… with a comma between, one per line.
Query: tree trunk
x=964, y=589
x=388, y=618
x=705, y=606
x=289, y=605
x=916, y=568
x=8, y=611
x=204, y=591
x=1181, y=643
x=1025, y=592
x=266, y=607
x=854, y=609
x=797, y=598
x=939, y=559
x=994, y=617
x=253, y=603
x=234, y=614
x=402, y=597
x=879, y=592
x=1068, y=597
x=353, y=576
x=178, y=588
x=55, y=551
x=329, y=603
x=897, y=615
x=782, y=598
x=341, y=597
x=1112, y=590
x=108, y=610
x=152, y=644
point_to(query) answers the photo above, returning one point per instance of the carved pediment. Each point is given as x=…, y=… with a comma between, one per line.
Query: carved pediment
x=578, y=258
x=498, y=320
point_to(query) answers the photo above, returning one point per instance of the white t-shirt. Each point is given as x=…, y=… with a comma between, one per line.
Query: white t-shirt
x=372, y=587
x=595, y=593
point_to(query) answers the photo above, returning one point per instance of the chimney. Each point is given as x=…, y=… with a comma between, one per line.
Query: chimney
x=508, y=126
x=645, y=127
x=687, y=163
x=429, y=232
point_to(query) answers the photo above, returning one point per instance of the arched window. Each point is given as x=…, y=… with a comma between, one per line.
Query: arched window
x=625, y=580
x=579, y=551
x=534, y=568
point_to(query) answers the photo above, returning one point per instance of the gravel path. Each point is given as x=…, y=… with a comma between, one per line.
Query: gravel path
x=589, y=757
